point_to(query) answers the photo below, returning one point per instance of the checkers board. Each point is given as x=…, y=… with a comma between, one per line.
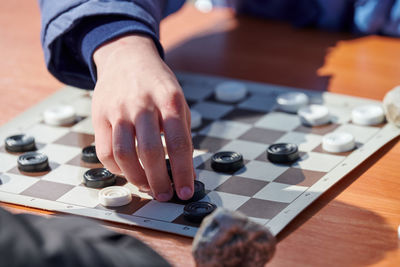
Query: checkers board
x=271, y=194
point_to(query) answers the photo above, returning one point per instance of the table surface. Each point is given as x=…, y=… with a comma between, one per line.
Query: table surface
x=354, y=223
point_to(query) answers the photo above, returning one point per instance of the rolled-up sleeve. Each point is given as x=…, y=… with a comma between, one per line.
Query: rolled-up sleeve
x=73, y=29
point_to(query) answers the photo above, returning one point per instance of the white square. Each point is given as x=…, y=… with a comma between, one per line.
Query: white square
x=212, y=110
x=46, y=134
x=66, y=174
x=81, y=196
x=200, y=157
x=264, y=171
x=249, y=150
x=226, y=200
x=361, y=133
x=280, y=192
x=339, y=114
x=305, y=141
x=60, y=153
x=314, y=161
x=279, y=121
x=84, y=126
x=8, y=161
x=210, y=179
x=225, y=129
x=162, y=211
x=258, y=102
x=13, y=183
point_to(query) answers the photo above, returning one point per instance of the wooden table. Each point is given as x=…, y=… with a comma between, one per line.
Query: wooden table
x=353, y=224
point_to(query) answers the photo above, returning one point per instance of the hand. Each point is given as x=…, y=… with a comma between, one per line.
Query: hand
x=138, y=96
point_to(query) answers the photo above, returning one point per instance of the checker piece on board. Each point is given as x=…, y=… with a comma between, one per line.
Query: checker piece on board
x=115, y=196
x=199, y=193
x=314, y=115
x=33, y=162
x=89, y=155
x=20, y=143
x=196, y=211
x=230, y=92
x=227, y=161
x=368, y=115
x=283, y=153
x=338, y=142
x=292, y=101
x=99, y=178
x=59, y=115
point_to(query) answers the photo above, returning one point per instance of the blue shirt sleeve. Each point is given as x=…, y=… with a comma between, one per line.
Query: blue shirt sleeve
x=73, y=29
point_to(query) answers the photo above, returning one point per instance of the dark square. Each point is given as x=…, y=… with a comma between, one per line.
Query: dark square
x=190, y=102
x=136, y=204
x=52, y=166
x=241, y=186
x=296, y=176
x=76, y=139
x=260, y=208
x=208, y=143
x=77, y=161
x=259, y=135
x=47, y=190
x=320, y=130
x=243, y=115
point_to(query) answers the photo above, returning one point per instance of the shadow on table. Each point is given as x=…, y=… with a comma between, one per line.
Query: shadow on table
x=273, y=52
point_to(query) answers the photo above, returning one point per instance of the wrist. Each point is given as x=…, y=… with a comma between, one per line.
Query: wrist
x=124, y=47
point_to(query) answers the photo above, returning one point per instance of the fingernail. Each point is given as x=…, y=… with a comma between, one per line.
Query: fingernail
x=144, y=188
x=185, y=193
x=163, y=197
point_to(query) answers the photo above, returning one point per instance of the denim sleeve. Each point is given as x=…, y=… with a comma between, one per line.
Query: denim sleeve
x=73, y=29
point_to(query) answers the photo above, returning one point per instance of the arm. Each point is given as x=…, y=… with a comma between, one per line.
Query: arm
x=28, y=240
x=136, y=95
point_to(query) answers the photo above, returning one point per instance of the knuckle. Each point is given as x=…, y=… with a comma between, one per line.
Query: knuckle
x=149, y=150
x=122, y=152
x=104, y=154
x=179, y=144
x=175, y=103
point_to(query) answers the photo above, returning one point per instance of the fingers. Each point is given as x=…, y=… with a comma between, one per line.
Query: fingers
x=124, y=151
x=103, y=142
x=179, y=144
x=151, y=153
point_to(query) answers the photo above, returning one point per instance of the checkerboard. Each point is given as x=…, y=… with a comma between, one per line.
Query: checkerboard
x=271, y=194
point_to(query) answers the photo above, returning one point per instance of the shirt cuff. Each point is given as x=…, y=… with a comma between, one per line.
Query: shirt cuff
x=103, y=33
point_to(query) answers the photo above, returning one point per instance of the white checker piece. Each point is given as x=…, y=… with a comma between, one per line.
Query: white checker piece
x=249, y=150
x=361, y=133
x=259, y=103
x=46, y=134
x=279, y=121
x=212, y=110
x=14, y=183
x=81, y=196
x=305, y=141
x=84, y=126
x=160, y=211
x=60, y=153
x=66, y=174
x=280, y=192
x=226, y=200
x=210, y=179
x=314, y=161
x=8, y=161
x=264, y=171
x=225, y=129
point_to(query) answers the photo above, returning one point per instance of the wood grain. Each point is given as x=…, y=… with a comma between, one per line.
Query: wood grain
x=354, y=223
